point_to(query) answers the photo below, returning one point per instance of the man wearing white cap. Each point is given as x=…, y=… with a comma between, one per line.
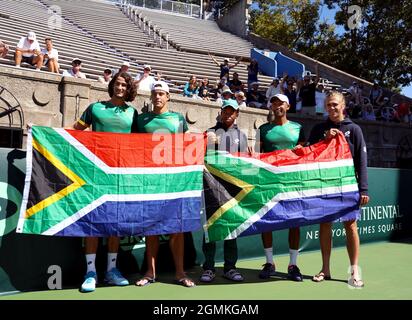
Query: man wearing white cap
x=75, y=70
x=161, y=120
x=124, y=67
x=279, y=134
x=144, y=81
x=28, y=50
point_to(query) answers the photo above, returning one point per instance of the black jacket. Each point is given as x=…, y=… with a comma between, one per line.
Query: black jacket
x=357, y=145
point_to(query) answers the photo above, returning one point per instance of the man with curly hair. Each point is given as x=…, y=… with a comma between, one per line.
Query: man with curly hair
x=114, y=115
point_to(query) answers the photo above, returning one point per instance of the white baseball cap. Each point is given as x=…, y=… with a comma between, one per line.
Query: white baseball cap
x=226, y=89
x=160, y=86
x=281, y=97
x=146, y=66
x=126, y=63
x=77, y=60
x=31, y=35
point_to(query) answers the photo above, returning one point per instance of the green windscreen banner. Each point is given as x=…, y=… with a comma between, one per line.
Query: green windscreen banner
x=29, y=262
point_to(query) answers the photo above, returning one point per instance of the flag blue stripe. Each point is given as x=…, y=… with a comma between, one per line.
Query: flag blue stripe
x=133, y=218
x=306, y=211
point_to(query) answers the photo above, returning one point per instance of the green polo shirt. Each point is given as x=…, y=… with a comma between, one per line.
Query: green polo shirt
x=106, y=117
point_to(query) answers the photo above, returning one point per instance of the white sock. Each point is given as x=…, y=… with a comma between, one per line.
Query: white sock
x=37, y=69
x=90, y=259
x=293, y=254
x=17, y=66
x=111, y=260
x=269, y=255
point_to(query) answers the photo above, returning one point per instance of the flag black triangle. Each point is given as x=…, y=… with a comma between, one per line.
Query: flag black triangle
x=217, y=192
x=46, y=179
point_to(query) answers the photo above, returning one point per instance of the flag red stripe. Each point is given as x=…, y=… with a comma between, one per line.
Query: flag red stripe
x=336, y=149
x=144, y=149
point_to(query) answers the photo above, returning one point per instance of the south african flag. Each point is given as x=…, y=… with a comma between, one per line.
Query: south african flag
x=250, y=194
x=82, y=183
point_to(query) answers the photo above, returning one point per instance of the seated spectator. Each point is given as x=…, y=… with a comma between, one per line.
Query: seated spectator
x=241, y=99
x=375, y=94
x=227, y=93
x=403, y=113
x=145, y=81
x=124, y=67
x=353, y=110
x=235, y=84
x=107, y=76
x=204, y=91
x=224, y=94
x=272, y=90
x=51, y=56
x=28, y=50
x=75, y=70
x=383, y=107
x=191, y=88
x=368, y=113
x=254, y=97
x=4, y=49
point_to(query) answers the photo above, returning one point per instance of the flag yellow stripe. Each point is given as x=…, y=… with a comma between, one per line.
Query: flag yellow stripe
x=77, y=181
x=246, y=188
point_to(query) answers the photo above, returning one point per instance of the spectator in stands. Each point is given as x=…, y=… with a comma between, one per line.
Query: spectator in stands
x=235, y=84
x=191, y=88
x=125, y=67
x=375, y=94
x=4, y=49
x=28, y=50
x=289, y=91
x=403, y=113
x=307, y=94
x=272, y=90
x=107, y=76
x=320, y=97
x=254, y=97
x=75, y=70
x=356, y=93
x=385, y=109
x=204, y=90
x=241, y=99
x=51, y=56
x=225, y=66
x=252, y=72
x=368, y=113
x=145, y=81
x=224, y=136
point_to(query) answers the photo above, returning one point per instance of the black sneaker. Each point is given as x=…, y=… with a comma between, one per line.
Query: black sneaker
x=267, y=271
x=294, y=273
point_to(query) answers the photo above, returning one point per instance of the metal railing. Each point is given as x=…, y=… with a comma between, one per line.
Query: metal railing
x=187, y=9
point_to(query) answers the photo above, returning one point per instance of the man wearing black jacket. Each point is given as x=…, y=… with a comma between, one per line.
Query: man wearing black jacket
x=335, y=105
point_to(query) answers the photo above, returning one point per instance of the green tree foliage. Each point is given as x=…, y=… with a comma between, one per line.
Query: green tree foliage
x=378, y=48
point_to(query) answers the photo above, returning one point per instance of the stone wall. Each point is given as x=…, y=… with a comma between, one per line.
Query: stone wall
x=51, y=100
